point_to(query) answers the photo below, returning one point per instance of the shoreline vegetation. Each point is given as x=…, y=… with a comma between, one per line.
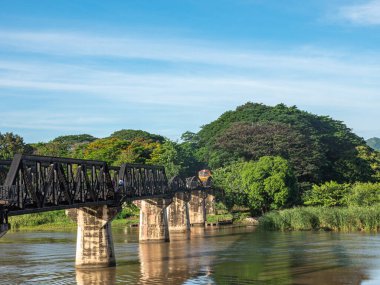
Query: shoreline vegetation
x=293, y=169
x=338, y=219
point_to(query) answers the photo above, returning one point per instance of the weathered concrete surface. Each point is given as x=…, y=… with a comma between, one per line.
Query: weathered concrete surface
x=94, y=237
x=3, y=229
x=210, y=203
x=178, y=212
x=153, y=220
x=197, y=208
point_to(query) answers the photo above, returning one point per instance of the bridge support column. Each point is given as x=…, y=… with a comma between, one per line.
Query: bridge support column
x=4, y=225
x=94, y=237
x=210, y=203
x=3, y=229
x=153, y=220
x=178, y=212
x=197, y=208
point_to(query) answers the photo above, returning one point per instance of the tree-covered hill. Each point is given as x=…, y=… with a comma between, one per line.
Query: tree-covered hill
x=374, y=143
x=133, y=134
x=319, y=148
x=123, y=146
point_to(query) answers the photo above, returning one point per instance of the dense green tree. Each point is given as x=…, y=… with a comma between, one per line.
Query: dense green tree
x=328, y=139
x=252, y=141
x=328, y=194
x=270, y=183
x=364, y=194
x=74, y=139
x=228, y=181
x=10, y=144
x=262, y=185
x=107, y=149
x=134, y=134
x=167, y=155
x=372, y=158
x=57, y=149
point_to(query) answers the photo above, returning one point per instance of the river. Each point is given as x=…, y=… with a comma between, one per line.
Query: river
x=213, y=256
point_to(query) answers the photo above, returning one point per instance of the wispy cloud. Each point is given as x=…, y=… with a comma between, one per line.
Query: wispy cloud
x=362, y=14
x=184, y=75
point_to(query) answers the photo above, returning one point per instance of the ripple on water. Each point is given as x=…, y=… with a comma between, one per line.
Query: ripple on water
x=211, y=256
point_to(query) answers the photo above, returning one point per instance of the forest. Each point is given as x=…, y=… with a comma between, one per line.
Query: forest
x=263, y=158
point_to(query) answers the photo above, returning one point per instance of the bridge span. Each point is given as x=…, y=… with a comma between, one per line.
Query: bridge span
x=92, y=194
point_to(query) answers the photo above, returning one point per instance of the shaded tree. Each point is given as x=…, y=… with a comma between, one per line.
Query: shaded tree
x=11, y=144
x=74, y=139
x=332, y=141
x=252, y=141
x=128, y=134
x=262, y=185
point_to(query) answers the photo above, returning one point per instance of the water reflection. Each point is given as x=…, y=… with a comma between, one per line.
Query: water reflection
x=289, y=258
x=102, y=276
x=210, y=256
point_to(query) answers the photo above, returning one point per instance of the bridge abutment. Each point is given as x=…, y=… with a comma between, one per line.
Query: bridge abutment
x=178, y=212
x=197, y=208
x=153, y=220
x=94, y=237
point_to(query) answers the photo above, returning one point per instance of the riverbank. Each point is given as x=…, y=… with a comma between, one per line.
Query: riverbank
x=351, y=219
x=58, y=221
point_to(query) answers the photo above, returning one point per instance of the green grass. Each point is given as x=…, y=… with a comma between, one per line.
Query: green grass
x=57, y=220
x=219, y=218
x=344, y=219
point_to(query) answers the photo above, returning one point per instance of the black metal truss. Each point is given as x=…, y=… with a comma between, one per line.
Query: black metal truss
x=30, y=184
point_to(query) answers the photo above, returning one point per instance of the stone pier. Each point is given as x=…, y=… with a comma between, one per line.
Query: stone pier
x=178, y=212
x=4, y=225
x=153, y=220
x=210, y=203
x=94, y=237
x=197, y=208
x=3, y=229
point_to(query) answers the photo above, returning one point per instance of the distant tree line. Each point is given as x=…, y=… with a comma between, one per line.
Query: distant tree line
x=262, y=157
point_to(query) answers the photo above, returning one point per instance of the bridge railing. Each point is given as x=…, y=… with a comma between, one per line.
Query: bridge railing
x=140, y=180
x=41, y=182
x=8, y=195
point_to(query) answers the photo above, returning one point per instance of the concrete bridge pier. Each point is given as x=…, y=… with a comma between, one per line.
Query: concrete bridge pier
x=4, y=225
x=210, y=203
x=94, y=237
x=153, y=220
x=197, y=208
x=3, y=229
x=178, y=212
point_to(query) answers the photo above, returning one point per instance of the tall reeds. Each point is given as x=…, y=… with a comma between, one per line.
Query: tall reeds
x=48, y=219
x=345, y=219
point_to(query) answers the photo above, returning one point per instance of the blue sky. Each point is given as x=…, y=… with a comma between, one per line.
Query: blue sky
x=71, y=67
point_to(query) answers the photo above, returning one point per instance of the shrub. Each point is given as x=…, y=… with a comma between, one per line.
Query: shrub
x=323, y=218
x=328, y=194
x=364, y=194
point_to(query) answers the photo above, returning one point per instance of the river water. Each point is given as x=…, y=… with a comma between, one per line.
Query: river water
x=211, y=256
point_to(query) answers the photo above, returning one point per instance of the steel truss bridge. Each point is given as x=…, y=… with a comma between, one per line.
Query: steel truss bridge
x=30, y=184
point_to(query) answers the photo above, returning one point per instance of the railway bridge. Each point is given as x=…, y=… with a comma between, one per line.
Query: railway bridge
x=92, y=194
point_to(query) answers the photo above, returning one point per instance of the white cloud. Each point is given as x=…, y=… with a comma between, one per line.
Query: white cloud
x=362, y=14
x=204, y=79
